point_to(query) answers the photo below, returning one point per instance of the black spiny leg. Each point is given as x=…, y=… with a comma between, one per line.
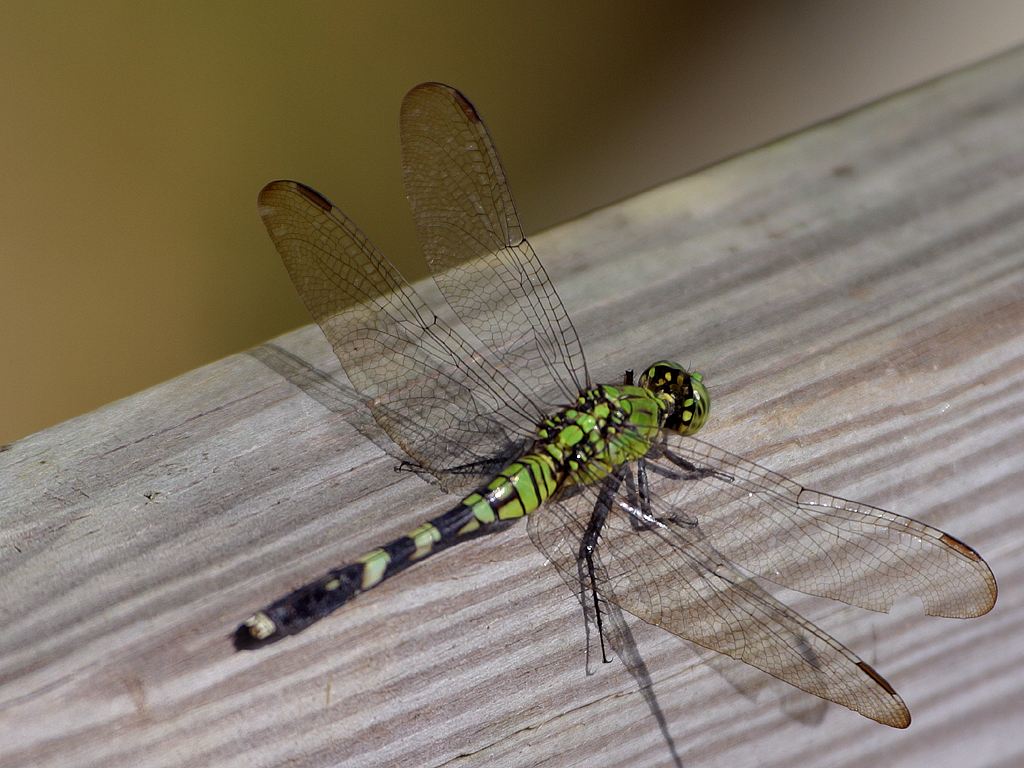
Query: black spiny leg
x=693, y=472
x=639, y=491
x=643, y=486
x=481, y=466
x=588, y=546
x=690, y=471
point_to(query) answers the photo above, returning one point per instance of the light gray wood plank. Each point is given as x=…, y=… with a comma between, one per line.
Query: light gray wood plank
x=855, y=297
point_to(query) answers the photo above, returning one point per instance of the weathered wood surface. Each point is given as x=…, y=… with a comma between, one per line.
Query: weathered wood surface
x=854, y=296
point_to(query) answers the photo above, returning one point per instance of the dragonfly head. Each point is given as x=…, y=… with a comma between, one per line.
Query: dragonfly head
x=686, y=399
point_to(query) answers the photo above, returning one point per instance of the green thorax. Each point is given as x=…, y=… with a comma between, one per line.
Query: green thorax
x=606, y=427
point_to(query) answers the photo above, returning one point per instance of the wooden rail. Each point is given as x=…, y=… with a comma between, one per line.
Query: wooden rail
x=854, y=296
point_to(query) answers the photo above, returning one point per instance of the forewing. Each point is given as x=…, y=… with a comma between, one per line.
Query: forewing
x=474, y=244
x=451, y=410
x=820, y=544
x=671, y=576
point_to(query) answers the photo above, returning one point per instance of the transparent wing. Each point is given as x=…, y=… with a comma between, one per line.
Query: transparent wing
x=450, y=409
x=661, y=568
x=336, y=395
x=473, y=241
x=820, y=544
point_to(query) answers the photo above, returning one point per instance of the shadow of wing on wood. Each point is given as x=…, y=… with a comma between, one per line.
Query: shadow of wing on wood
x=332, y=394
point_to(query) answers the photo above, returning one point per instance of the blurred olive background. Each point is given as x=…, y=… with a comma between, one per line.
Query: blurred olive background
x=135, y=136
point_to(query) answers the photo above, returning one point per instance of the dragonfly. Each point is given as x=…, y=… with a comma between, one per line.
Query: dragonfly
x=634, y=511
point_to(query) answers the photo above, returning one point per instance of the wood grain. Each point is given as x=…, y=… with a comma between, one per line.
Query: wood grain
x=854, y=296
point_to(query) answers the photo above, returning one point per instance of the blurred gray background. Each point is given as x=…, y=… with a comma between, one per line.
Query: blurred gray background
x=135, y=137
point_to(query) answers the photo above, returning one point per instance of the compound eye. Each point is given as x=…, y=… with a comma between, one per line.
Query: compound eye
x=663, y=376
x=692, y=412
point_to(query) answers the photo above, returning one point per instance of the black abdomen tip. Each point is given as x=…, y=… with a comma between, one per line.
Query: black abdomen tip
x=244, y=640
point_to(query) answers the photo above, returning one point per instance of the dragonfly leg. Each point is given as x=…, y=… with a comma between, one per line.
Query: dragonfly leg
x=588, y=546
x=644, y=486
x=677, y=477
x=639, y=490
x=643, y=518
x=481, y=466
x=691, y=470
x=639, y=494
x=411, y=466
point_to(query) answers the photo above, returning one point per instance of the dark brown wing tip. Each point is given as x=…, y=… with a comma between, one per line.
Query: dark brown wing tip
x=270, y=187
x=313, y=196
x=969, y=554
x=959, y=546
x=902, y=720
x=431, y=86
x=451, y=92
x=870, y=671
x=285, y=185
x=993, y=593
x=467, y=108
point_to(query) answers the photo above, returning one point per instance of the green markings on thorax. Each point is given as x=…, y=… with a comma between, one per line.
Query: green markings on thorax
x=606, y=427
